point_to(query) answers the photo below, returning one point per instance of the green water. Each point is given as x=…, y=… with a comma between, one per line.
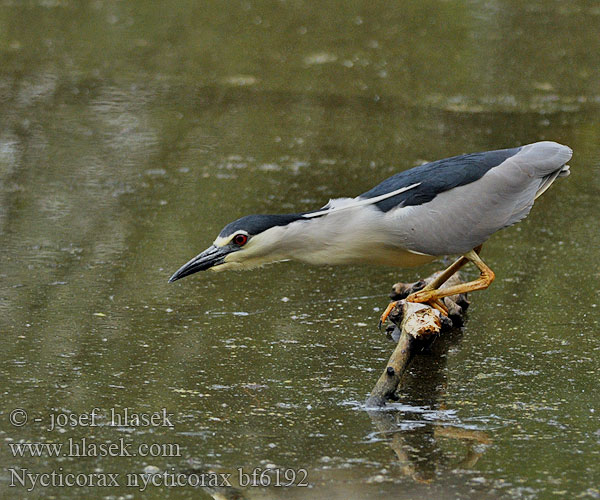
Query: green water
x=131, y=132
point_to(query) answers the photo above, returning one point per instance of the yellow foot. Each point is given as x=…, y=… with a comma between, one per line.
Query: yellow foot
x=387, y=312
x=439, y=305
x=425, y=297
x=435, y=303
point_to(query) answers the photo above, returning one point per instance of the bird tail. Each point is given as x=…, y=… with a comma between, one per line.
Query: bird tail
x=549, y=179
x=546, y=161
x=541, y=159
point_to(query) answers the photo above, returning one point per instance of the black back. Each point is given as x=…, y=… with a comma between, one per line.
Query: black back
x=437, y=177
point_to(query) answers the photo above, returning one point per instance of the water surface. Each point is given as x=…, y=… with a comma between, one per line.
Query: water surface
x=130, y=133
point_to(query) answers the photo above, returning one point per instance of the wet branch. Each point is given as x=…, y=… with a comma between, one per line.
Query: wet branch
x=418, y=324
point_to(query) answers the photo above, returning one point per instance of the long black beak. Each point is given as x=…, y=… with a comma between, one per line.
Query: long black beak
x=212, y=256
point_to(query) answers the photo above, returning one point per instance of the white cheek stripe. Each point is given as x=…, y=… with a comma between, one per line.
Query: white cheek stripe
x=221, y=242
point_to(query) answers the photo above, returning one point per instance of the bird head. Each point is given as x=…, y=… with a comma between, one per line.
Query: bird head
x=248, y=242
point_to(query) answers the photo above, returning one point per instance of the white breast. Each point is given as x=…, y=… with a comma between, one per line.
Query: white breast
x=358, y=234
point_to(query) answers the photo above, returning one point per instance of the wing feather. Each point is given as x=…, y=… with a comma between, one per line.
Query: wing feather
x=359, y=202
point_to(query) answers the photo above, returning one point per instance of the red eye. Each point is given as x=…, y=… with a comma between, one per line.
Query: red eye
x=240, y=239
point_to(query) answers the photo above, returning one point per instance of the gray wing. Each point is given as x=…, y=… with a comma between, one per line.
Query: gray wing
x=459, y=218
x=436, y=177
x=421, y=184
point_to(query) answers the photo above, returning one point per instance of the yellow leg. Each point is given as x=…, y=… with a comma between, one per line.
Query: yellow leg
x=434, y=300
x=449, y=271
x=481, y=283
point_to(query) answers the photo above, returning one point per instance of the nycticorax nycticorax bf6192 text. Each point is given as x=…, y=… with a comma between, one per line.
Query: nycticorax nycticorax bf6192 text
x=447, y=207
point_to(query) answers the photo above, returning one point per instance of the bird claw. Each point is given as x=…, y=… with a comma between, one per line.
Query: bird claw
x=386, y=313
x=420, y=296
x=439, y=305
x=435, y=303
x=424, y=297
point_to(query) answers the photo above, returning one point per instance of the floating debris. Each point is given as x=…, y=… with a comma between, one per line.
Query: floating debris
x=240, y=80
x=320, y=58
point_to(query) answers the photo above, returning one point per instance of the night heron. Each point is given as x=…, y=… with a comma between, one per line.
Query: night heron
x=446, y=207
